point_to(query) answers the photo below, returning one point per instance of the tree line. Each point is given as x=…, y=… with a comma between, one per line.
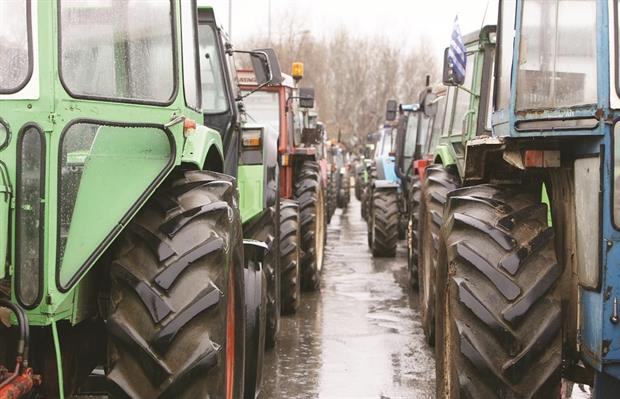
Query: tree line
x=353, y=76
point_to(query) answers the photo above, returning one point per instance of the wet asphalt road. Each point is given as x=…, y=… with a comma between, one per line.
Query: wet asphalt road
x=360, y=337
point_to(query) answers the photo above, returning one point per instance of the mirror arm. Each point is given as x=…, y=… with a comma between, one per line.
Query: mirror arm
x=242, y=96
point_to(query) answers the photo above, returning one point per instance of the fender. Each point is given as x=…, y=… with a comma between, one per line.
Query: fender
x=199, y=145
x=443, y=155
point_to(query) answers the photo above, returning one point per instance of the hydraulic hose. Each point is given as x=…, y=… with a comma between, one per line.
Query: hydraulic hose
x=24, y=330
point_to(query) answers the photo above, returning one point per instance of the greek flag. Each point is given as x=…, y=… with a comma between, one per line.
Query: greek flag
x=456, y=53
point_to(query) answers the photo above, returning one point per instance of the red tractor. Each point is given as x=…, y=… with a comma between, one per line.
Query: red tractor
x=285, y=107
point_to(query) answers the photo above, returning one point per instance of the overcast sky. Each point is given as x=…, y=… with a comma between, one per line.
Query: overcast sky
x=405, y=22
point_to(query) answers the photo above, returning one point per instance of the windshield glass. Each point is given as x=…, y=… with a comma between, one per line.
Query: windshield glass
x=15, y=46
x=557, y=66
x=463, y=98
x=118, y=50
x=263, y=107
x=411, y=135
x=213, y=90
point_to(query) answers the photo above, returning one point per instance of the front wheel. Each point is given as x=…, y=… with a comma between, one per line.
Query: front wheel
x=176, y=321
x=383, y=226
x=289, y=256
x=438, y=183
x=309, y=194
x=499, y=307
x=413, y=232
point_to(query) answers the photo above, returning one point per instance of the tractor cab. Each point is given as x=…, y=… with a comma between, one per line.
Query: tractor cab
x=467, y=104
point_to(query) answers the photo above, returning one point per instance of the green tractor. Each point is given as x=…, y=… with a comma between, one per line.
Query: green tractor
x=123, y=233
x=464, y=109
x=254, y=162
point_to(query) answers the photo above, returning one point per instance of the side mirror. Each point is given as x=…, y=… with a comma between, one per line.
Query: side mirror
x=266, y=66
x=306, y=97
x=449, y=78
x=390, y=111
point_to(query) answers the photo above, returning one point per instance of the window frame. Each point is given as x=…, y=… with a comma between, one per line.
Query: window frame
x=175, y=66
x=42, y=212
x=30, y=39
x=515, y=73
x=222, y=55
x=124, y=220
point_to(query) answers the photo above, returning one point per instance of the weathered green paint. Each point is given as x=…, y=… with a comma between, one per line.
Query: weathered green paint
x=198, y=145
x=444, y=155
x=250, y=182
x=117, y=169
x=450, y=149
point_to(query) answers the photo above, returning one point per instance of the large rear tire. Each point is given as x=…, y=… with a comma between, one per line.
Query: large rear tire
x=438, y=182
x=309, y=194
x=383, y=224
x=499, y=328
x=289, y=256
x=176, y=319
x=413, y=232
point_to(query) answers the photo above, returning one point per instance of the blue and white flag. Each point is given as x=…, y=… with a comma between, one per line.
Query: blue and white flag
x=456, y=53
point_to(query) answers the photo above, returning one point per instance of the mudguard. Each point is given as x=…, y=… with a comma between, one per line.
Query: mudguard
x=199, y=144
x=386, y=184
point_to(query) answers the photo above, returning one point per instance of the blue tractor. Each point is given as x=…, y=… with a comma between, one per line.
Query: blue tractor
x=522, y=303
x=384, y=191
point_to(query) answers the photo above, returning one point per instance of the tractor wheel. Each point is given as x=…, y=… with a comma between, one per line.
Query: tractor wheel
x=309, y=194
x=438, y=183
x=383, y=224
x=271, y=268
x=255, y=332
x=176, y=317
x=413, y=232
x=331, y=198
x=289, y=256
x=359, y=184
x=499, y=328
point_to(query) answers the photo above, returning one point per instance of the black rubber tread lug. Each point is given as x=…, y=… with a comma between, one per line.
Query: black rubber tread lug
x=512, y=263
x=208, y=298
x=503, y=283
x=470, y=348
x=437, y=218
x=546, y=331
x=166, y=278
x=157, y=245
x=196, y=367
x=492, y=203
x=151, y=298
x=499, y=236
x=476, y=305
x=122, y=331
x=173, y=225
x=519, y=308
x=509, y=221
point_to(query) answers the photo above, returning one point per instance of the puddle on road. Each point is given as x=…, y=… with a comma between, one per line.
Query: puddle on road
x=361, y=337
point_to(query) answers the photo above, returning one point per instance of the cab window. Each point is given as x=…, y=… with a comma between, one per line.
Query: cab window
x=118, y=51
x=15, y=45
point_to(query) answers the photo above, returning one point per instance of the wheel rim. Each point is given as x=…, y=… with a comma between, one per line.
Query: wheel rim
x=319, y=230
x=230, y=337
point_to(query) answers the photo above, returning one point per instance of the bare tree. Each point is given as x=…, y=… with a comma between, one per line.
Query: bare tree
x=353, y=76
